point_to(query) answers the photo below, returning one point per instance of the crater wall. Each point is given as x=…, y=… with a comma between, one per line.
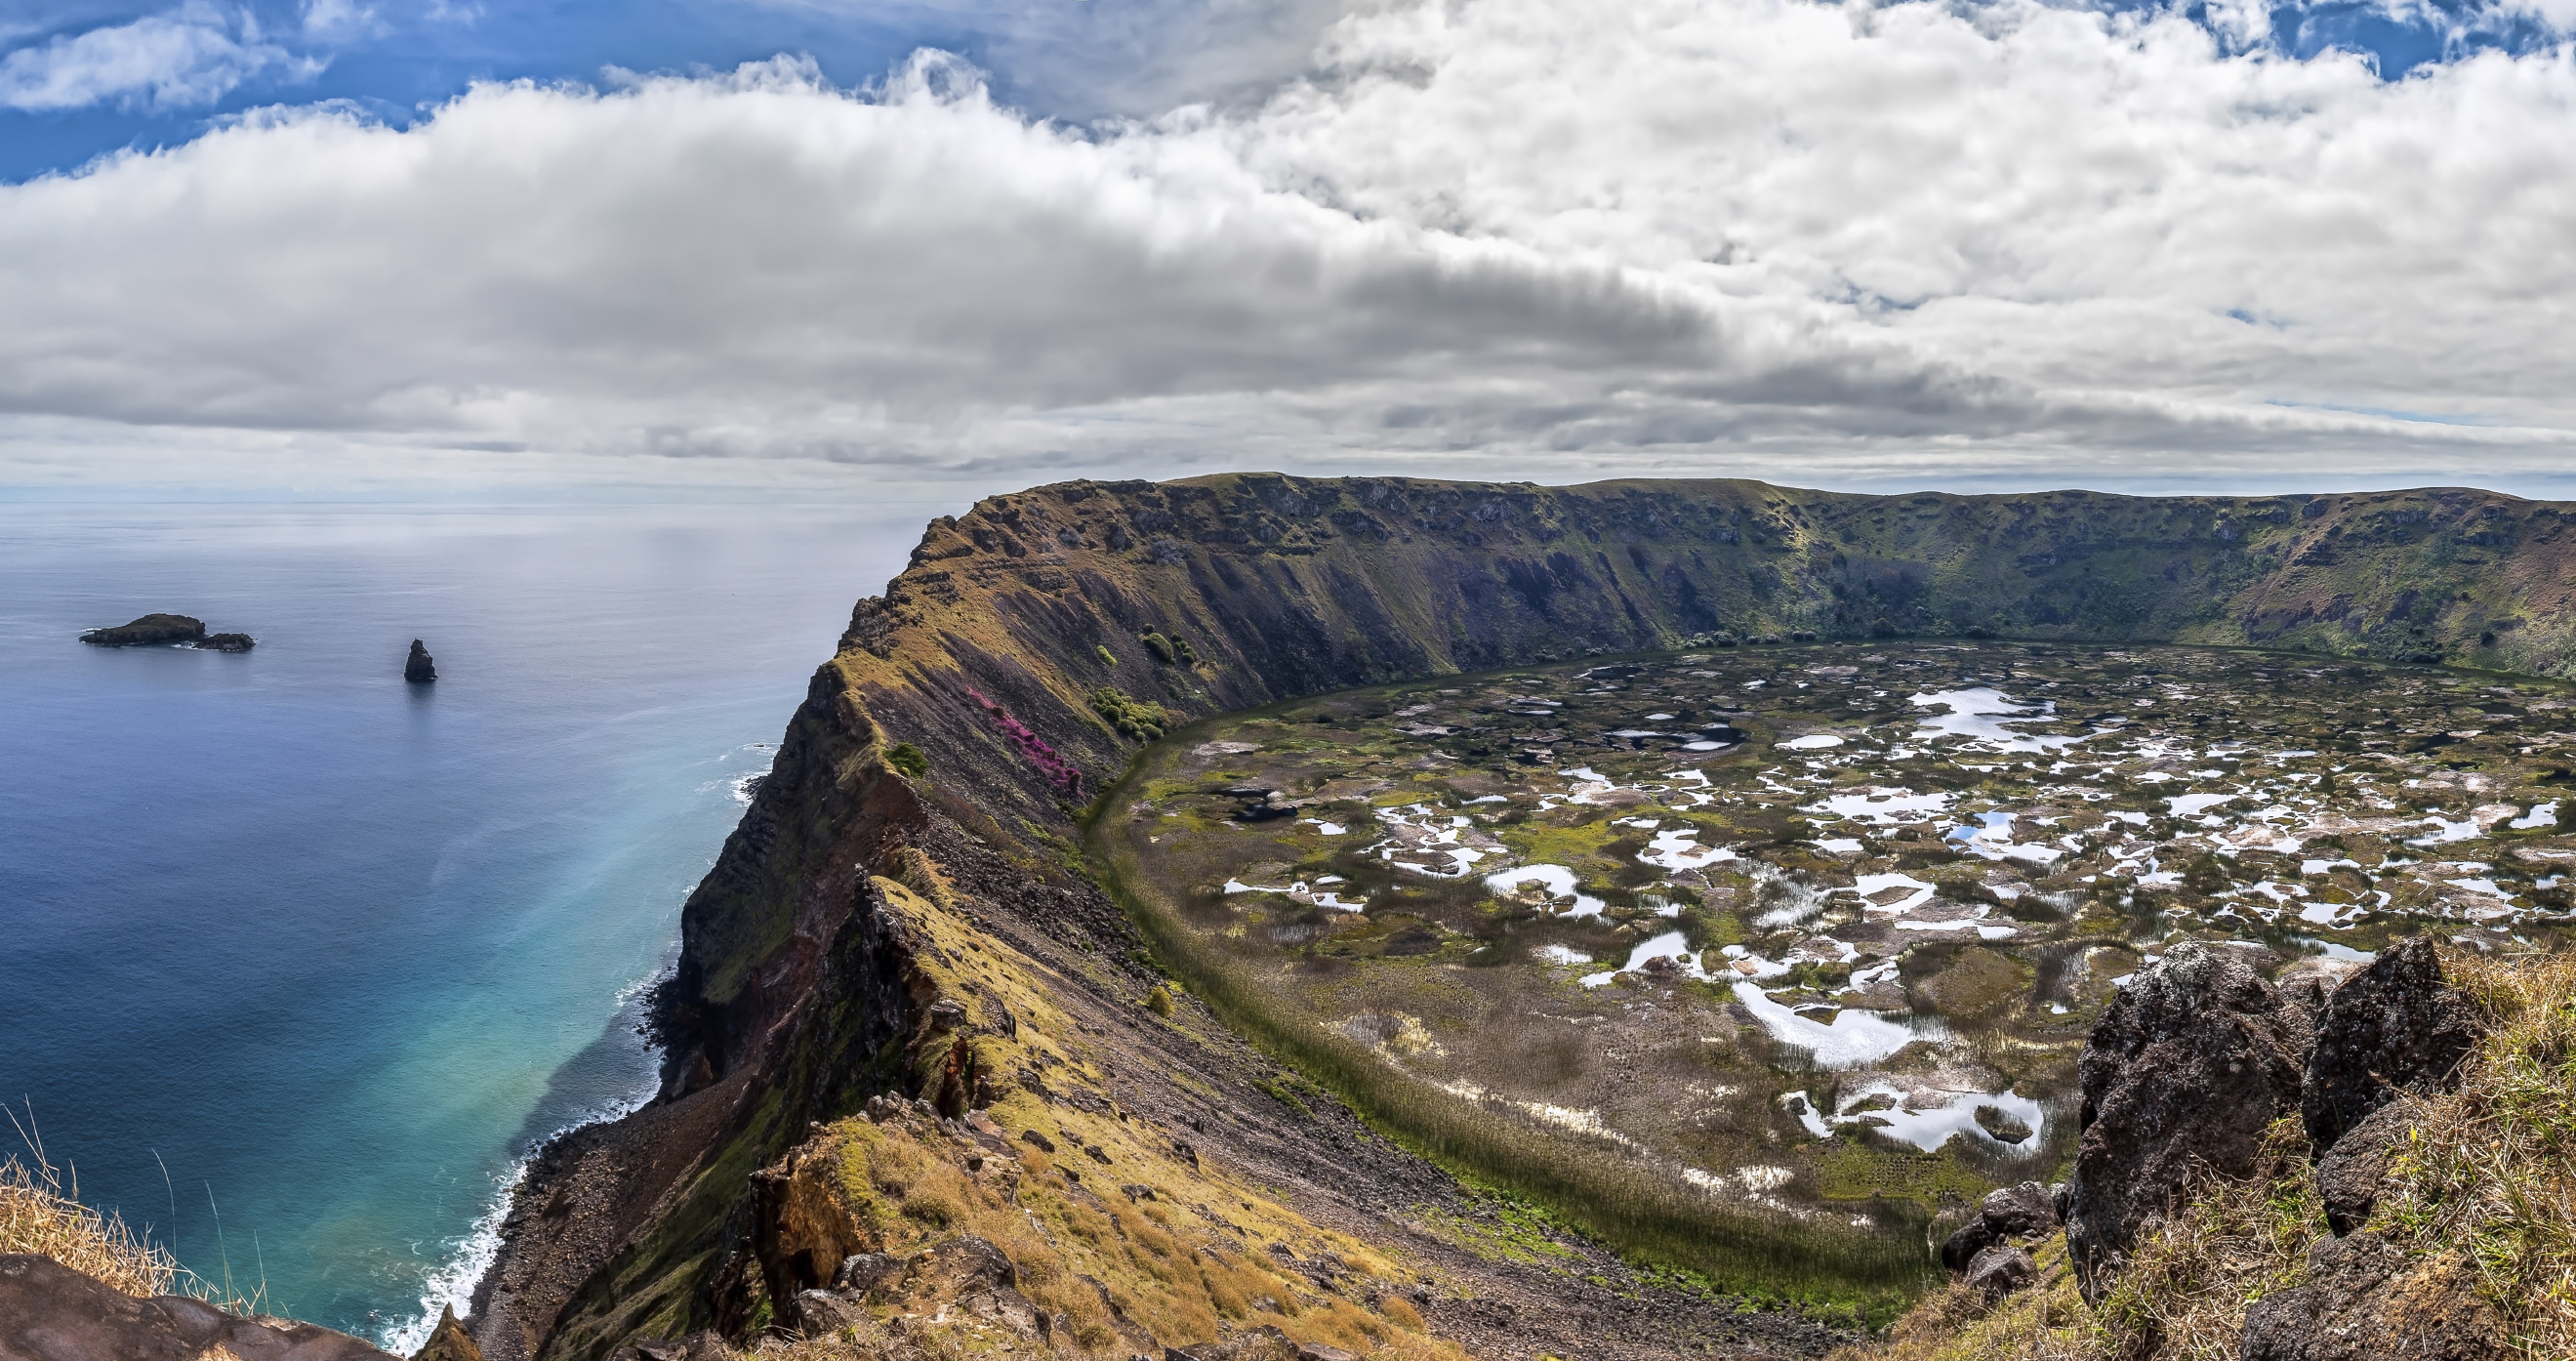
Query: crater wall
x=989, y=653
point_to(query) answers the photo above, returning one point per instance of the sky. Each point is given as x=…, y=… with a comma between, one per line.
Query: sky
x=789, y=248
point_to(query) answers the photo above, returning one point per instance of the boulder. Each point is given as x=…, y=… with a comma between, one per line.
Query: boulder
x=1965, y=1244
x=861, y=1272
x=2187, y=1067
x=959, y=1267
x=2366, y=1301
x=835, y=1314
x=2392, y=1028
x=418, y=668
x=49, y=1312
x=2348, y=1176
x=2024, y=1211
x=2000, y=1270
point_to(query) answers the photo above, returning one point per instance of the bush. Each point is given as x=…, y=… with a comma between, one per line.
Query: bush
x=1132, y=717
x=1172, y=651
x=1107, y=657
x=907, y=758
x=1159, y=1002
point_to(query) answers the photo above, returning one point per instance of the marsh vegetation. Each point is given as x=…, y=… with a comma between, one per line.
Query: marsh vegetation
x=1766, y=960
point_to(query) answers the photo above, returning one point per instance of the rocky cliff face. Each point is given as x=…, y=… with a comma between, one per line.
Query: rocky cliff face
x=1002, y=680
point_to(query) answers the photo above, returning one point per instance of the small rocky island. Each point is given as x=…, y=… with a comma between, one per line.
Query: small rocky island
x=417, y=668
x=155, y=630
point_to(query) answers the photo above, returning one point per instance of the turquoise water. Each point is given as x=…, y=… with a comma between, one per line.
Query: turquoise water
x=296, y=960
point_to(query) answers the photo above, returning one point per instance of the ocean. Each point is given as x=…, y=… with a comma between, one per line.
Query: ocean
x=297, y=960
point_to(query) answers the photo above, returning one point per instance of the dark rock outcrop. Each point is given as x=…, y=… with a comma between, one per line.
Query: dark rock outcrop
x=2025, y=1211
x=2000, y=1270
x=2366, y=1301
x=49, y=1312
x=2349, y=1174
x=226, y=642
x=2393, y=1028
x=417, y=667
x=150, y=631
x=2186, y=1068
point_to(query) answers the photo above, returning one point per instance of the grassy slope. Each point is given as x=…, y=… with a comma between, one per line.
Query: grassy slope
x=2487, y=1189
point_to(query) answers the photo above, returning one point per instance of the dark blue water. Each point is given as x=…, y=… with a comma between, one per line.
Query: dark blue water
x=333, y=949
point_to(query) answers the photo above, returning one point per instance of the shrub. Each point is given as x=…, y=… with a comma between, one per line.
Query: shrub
x=1107, y=657
x=1040, y=755
x=1159, y=1002
x=1172, y=651
x=907, y=758
x=1132, y=717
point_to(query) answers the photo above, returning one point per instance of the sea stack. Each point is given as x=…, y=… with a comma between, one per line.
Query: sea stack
x=417, y=668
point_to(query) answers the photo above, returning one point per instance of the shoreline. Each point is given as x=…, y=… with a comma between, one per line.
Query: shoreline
x=457, y=1282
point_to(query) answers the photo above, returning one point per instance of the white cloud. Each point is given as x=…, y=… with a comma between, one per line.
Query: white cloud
x=186, y=58
x=338, y=20
x=1495, y=237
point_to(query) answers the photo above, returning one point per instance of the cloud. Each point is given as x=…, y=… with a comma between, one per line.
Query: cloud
x=186, y=58
x=1085, y=59
x=1497, y=237
x=339, y=20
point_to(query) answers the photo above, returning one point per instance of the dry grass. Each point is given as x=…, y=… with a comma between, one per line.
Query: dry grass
x=39, y=1214
x=2491, y=1171
x=1166, y=1269
x=2047, y=1322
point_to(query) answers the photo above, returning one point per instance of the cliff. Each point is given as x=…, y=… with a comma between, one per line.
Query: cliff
x=972, y=711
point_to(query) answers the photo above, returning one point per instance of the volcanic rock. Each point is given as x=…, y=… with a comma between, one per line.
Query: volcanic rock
x=2187, y=1066
x=49, y=1312
x=2000, y=1270
x=418, y=667
x=2024, y=1211
x=2366, y=1301
x=2349, y=1174
x=2394, y=1027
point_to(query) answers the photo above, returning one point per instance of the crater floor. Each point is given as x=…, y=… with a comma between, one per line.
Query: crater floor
x=1826, y=926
